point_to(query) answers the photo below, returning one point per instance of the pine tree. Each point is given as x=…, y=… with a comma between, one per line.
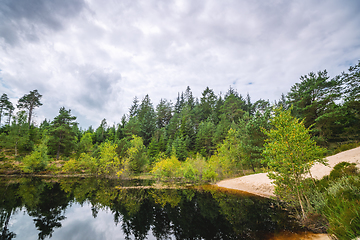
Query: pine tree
x=6, y=107
x=62, y=136
x=147, y=120
x=30, y=102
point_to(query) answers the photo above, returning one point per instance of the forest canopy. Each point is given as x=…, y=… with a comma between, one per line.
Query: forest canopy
x=220, y=134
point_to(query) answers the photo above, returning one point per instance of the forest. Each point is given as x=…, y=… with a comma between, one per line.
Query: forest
x=210, y=137
x=207, y=138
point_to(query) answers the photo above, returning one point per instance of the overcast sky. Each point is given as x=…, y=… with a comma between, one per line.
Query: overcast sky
x=94, y=56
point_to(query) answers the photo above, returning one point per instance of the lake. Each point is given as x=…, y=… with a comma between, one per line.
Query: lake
x=92, y=208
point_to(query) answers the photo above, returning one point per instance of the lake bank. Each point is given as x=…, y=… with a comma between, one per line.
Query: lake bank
x=260, y=184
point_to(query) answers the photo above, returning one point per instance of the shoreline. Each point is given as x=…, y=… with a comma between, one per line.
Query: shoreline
x=259, y=184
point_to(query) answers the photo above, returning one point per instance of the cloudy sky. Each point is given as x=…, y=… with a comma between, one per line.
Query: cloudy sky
x=94, y=56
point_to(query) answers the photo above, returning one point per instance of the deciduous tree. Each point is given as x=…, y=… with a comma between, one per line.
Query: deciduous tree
x=290, y=153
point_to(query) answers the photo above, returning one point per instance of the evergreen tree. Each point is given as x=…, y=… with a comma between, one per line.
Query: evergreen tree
x=189, y=98
x=163, y=113
x=252, y=138
x=30, y=102
x=62, y=137
x=207, y=103
x=179, y=103
x=6, y=107
x=204, y=138
x=248, y=105
x=147, y=120
x=179, y=148
x=134, y=107
x=351, y=80
x=101, y=132
x=348, y=115
x=233, y=108
x=262, y=105
x=18, y=135
x=313, y=100
x=282, y=103
x=132, y=127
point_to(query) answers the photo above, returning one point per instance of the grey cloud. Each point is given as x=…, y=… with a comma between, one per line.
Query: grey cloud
x=97, y=86
x=99, y=56
x=25, y=19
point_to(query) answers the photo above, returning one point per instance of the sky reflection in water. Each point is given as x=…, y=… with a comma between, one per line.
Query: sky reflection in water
x=95, y=209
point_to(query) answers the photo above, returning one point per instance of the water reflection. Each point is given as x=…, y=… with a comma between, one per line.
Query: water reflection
x=72, y=208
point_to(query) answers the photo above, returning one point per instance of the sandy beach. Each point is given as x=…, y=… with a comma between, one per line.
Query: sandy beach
x=260, y=184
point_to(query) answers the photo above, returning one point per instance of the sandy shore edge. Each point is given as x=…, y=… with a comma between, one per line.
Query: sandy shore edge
x=260, y=184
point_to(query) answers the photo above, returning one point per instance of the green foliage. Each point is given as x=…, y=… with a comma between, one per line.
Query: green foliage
x=204, y=138
x=18, y=134
x=85, y=145
x=314, y=102
x=84, y=164
x=167, y=168
x=347, y=146
x=232, y=108
x=179, y=148
x=2, y=156
x=227, y=160
x=164, y=113
x=252, y=139
x=289, y=153
x=108, y=162
x=30, y=102
x=37, y=160
x=147, y=119
x=192, y=169
x=343, y=169
x=207, y=103
x=61, y=135
x=100, y=134
x=6, y=108
x=136, y=160
x=342, y=207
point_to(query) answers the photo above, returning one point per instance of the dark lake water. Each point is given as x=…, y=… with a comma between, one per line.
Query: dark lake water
x=90, y=208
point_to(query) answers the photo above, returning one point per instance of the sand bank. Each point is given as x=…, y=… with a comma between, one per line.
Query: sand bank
x=260, y=184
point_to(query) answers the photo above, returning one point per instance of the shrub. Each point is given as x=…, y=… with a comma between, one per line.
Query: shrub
x=343, y=207
x=192, y=169
x=37, y=160
x=343, y=169
x=167, y=168
x=347, y=146
x=85, y=163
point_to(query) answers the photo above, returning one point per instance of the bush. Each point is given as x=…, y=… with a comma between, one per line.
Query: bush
x=37, y=160
x=347, y=146
x=192, y=169
x=2, y=156
x=85, y=163
x=343, y=207
x=343, y=169
x=167, y=168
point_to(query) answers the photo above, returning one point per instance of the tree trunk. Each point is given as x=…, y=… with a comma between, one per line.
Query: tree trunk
x=299, y=198
x=58, y=152
x=16, y=143
x=29, y=119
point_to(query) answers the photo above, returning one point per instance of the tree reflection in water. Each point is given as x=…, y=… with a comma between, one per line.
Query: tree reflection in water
x=203, y=213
